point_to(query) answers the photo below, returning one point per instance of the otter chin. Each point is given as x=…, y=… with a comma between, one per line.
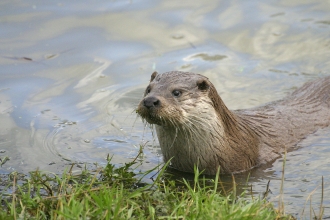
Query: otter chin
x=195, y=128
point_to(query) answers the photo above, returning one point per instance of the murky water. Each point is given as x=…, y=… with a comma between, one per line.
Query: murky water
x=71, y=74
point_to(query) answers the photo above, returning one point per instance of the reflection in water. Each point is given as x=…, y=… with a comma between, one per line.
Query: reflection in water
x=206, y=57
x=95, y=74
x=72, y=74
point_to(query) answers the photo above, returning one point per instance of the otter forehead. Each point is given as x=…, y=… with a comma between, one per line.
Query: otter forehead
x=185, y=79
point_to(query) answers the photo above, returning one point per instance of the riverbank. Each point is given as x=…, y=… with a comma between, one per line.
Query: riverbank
x=112, y=192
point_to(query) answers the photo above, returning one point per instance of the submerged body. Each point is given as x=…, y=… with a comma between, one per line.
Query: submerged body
x=194, y=127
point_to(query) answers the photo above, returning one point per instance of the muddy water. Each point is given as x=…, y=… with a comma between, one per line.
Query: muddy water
x=72, y=73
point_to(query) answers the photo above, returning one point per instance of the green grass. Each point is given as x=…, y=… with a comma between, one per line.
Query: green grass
x=119, y=193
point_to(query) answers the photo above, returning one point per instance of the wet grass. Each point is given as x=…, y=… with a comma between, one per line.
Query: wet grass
x=112, y=192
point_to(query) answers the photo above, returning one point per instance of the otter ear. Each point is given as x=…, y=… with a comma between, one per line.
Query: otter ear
x=202, y=84
x=153, y=76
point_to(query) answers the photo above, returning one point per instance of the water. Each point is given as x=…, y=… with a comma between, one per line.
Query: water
x=72, y=73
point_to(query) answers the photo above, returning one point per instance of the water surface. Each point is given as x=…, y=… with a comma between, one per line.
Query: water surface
x=72, y=73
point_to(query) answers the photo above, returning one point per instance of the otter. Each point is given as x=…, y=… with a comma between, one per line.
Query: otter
x=195, y=128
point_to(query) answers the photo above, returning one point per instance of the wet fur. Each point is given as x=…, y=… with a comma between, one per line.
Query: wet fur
x=198, y=129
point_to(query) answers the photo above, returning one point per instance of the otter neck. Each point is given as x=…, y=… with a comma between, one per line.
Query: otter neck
x=225, y=141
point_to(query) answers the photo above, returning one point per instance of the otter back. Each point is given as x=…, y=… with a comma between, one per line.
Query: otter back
x=282, y=124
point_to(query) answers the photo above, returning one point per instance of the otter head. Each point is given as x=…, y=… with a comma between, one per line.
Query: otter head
x=176, y=98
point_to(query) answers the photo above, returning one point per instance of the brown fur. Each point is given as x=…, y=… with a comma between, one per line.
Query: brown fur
x=196, y=128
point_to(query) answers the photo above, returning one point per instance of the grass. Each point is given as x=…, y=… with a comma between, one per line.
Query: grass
x=112, y=192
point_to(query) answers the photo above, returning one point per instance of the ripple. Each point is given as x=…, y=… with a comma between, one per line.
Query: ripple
x=206, y=57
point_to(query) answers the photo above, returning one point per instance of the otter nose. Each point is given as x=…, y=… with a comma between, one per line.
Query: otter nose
x=151, y=101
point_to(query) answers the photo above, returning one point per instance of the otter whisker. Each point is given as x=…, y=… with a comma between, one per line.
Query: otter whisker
x=176, y=135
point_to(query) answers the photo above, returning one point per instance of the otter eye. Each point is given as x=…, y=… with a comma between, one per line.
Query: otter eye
x=176, y=93
x=148, y=90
